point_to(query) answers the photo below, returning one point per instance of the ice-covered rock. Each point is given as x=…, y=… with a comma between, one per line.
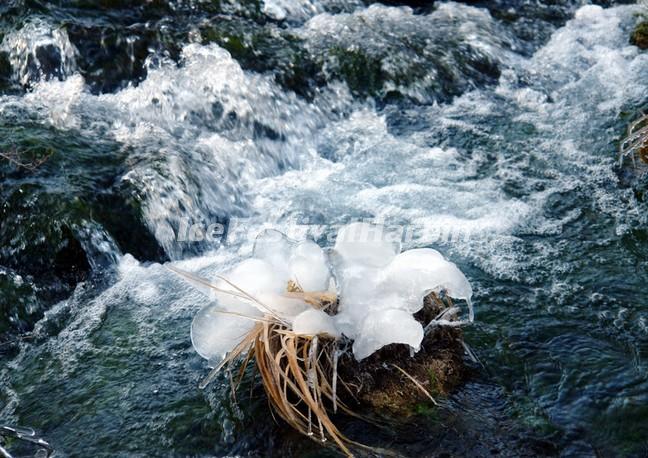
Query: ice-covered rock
x=415, y=273
x=373, y=278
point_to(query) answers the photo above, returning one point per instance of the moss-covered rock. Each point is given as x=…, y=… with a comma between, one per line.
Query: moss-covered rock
x=38, y=237
x=114, y=38
x=111, y=57
x=381, y=384
x=362, y=73
x=392, y=52
x=639, y=35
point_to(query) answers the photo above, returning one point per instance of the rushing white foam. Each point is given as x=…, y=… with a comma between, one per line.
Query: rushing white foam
x=394, y=179
x=301, y=10
x=584, y=75
x=293, y=9
x=209, y=139
x=202, y=133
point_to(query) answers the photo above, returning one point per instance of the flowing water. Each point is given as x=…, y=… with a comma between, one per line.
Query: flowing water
x=490, y=129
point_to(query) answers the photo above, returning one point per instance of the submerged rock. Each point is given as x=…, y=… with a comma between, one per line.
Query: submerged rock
x=111, y=58
x=266, y=49
x=5, y=69
x=389, y=52
x=37, y=51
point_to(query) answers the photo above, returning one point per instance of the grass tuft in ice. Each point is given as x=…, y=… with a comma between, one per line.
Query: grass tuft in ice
x=281, y=310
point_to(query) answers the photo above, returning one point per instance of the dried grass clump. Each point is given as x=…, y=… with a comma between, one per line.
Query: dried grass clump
x=299, y=376
x=304, y=384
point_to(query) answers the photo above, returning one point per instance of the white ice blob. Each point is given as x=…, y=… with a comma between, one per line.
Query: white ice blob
x=303, y=262
x=415, y=273
x=252, y=277
x=313, y=322
x=281, y=305
x=240, y=297
x=309, y=267
x=274, y=247
x=386, y=327
x=358, y=296
x=215, y=332
x=361, y=250
x=366, y=244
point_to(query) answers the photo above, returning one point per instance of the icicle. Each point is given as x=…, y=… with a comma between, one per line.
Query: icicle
x=313, y=384
x=212, y=374
x=439, y=321
x=312, y=356
x=336, y=357
x=311, y=374
x=321, y=428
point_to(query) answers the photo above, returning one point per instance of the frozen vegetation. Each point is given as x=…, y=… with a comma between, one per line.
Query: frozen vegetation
x=378, y=290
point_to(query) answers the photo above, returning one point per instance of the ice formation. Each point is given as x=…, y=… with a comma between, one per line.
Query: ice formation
x=378, y=290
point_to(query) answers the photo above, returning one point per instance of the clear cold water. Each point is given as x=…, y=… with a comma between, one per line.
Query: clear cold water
x=498, y=121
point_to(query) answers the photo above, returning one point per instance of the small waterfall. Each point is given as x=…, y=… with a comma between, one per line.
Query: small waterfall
x=39, y=51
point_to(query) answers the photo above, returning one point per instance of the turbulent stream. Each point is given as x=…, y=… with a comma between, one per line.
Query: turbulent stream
x=489, y=128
